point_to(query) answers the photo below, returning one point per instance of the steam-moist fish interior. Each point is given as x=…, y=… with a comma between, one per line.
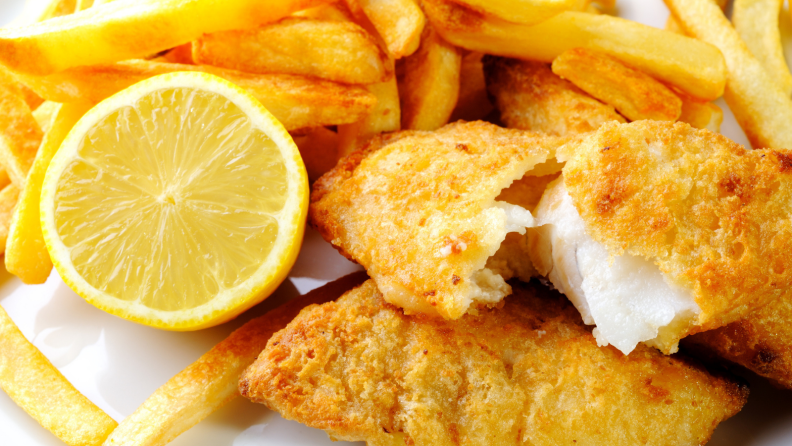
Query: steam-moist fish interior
x=627, y=297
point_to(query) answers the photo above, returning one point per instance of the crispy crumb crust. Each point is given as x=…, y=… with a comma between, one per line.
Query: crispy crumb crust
x=528, y=374
x=761, y=342
x=531, y=97
x=416, y=209
x=714, y=216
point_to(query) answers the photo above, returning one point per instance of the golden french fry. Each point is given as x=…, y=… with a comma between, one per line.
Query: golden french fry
x=701, y=115
x=760, y=106
x=384, y=117
x=399, y=22
x=42, y=391
x=333, y=50
x=26, y=253
x=473, y=103
x=691, y=66
x=83, y=5
x=674, y=26
x=337, y=12
x=9, y=196
x=44, y=114
x=530, y=97
x=429, y=87
x=296, y=101
x=20, y=135
x=56, y=8
x=127, y=29
x=182, y=54
x=319, y=151
x=633, y=93
x=756, y=21
x=211, y=381
x=528, y=12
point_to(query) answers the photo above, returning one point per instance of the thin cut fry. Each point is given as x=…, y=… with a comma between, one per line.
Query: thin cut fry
x=528, y=12
x=128, y=29
x=83, y=5
x=429, y=87
x=319, y=151
x=674, y=26
x=329, y=12
x=211, y=381
x=42, y=391
x=756, y=21
x=759, y=104
x=57, y=8
x=634, y=94
x=385, y=117
x=333, y=50
x=399, y=22
x=26, y=253
x=701, y=115
x=473, y=103
x=296, y=101
x=20, y=135
x=44, y=114
x=9, y=196
x=693, y=67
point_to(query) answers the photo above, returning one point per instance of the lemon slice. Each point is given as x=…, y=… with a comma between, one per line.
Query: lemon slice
x=178, y=203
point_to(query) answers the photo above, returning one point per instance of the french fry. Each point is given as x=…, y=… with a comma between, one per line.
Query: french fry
x=181, y=54
x=319, y=151
x=385, y=117
x=399, y=22
x=26, y=253
x=759, y=104
x=83, y=5
x=528, y=12
x=298, y=102
x=756, y=21
x=701, y=115
x=333, y=50
x=211, y=381
x=4, y=180
x=20, y=135
x=674, y=26
x=473, y=103
x=693, y=67
x=128, y=29
x=44, y=114
x=42, y=391
x=337, y=12
x=634, y=94
x=9, y=196
x=429, y=87
x=56, y=8
x=530, y=97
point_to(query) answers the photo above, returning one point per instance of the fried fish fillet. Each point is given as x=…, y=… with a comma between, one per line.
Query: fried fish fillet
x=761, y=342
x=528, y=374
x=418, y=210
x=658, y=231
x=531, y=97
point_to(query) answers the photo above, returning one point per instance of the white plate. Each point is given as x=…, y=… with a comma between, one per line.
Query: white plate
x=118, y=364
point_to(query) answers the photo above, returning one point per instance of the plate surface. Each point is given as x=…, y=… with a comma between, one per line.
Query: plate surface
x=118, y=364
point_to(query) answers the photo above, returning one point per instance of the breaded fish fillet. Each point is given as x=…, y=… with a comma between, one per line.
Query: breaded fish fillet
x=531, y=97
x=761, y=342
x=418, y=210
x=658, y=231
x=528, y=374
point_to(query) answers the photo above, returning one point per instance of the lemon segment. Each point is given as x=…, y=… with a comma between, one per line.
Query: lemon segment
x=178, y=203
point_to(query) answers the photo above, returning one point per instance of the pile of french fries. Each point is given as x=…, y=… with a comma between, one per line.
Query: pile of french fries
x=337, y=73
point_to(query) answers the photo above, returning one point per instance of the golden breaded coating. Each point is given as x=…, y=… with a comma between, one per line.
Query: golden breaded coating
x=528, y=374
x=418, y=211
x=711, y=214
x=762, y=342
x=530, y=97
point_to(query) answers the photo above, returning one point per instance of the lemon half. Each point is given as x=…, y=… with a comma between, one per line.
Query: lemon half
x=178, y=203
